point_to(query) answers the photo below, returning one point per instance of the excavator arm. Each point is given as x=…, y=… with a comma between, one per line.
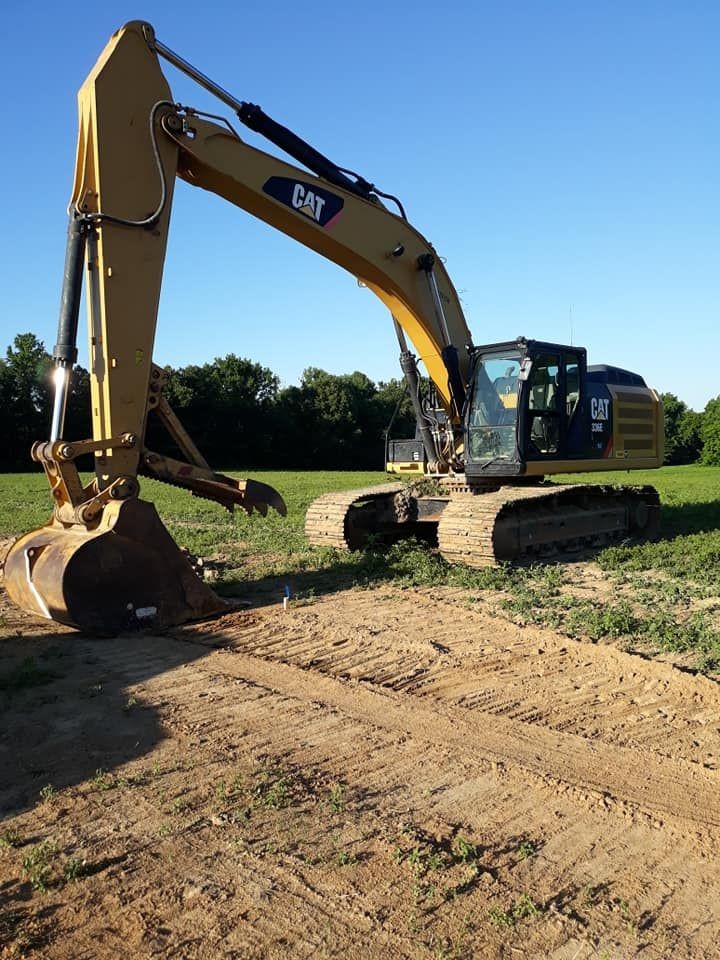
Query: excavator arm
x=381, y=249
x=133, y=141
x=105, y=561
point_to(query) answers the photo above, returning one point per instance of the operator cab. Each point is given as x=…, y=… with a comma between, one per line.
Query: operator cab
x=523, y=406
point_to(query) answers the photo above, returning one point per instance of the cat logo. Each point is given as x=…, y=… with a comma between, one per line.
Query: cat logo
x=311, y=200
x=599, y=408
x=307, y=202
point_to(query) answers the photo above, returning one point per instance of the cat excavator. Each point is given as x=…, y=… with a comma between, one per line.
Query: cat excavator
x=496, y=420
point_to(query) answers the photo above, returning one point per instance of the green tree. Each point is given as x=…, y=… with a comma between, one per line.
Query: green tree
x=27, y=396
x=683, y=440
x=29, y=363
x=392, y=398
x=78, y=413
x=673, y=409
x=340, y=419
x=690, y=440
x=711, y=433
x=292, y=428
x=233, y=408
x=8, y=429
x=226, y=407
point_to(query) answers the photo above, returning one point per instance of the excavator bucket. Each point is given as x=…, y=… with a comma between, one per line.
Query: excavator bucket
x=126, y=573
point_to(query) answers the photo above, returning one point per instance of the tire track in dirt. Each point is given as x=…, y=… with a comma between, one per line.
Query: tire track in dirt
x=660, y=787
x=437, y=764
x=434, y=644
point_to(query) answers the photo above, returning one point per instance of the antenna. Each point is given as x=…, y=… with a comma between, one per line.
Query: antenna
x=571, y=326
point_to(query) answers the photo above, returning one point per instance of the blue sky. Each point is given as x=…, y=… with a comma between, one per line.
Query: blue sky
x=563, y=157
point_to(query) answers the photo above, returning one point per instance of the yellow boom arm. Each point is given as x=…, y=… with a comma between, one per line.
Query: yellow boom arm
x=133, y=142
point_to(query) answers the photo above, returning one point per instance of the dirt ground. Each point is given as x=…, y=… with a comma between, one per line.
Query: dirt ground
x=372, y=773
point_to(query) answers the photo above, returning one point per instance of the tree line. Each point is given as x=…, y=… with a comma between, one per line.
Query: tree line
x=234, y=409
x=240, y=416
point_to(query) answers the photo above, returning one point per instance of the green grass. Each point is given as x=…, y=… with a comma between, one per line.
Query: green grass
x=658, y=585
x=690, y=496
x=200, y=525
x=690, y=547
x=37, y=865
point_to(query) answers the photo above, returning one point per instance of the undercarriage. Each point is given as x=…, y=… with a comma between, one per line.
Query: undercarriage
x=483, y=526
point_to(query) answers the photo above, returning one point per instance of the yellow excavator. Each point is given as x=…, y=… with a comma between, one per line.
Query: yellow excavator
x=497, y=419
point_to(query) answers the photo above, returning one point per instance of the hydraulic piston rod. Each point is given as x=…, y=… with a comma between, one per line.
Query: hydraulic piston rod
x=449, y=353
x=65, y=351
x=256, y=119
x=408, y=365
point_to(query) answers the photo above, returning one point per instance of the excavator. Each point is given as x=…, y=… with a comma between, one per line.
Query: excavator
x=496, y=420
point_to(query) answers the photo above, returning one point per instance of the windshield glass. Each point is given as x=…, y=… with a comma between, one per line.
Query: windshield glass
x=493, y=408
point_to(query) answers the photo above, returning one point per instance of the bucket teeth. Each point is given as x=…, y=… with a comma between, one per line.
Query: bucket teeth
x=261, y=496
x=230, y=493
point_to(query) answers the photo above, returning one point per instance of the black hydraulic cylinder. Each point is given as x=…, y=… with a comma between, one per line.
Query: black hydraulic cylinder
x=449, y=354
x=65, y=351
x=256, y=119
x=408, y=365
x=455, y=380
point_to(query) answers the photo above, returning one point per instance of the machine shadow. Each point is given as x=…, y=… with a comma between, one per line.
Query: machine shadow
x=679, y=520
x=69, y=702
x=66, y=713
x=307, y=584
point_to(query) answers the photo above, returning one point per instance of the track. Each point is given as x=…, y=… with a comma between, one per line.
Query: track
x=515, y=523
x=528, y=523
x=328, y=523
x=486, y=666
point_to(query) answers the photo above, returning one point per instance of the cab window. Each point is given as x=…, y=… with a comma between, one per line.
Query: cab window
x=572, y=385
x=544, y=395
x=493, y=410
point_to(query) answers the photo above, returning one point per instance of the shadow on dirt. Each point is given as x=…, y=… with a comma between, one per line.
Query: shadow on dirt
x=68, y=710
x=65, y=708
x=371, y=570
x=66, y=715
x=22, y=928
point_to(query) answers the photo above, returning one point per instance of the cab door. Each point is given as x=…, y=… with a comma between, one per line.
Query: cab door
x=551, y=404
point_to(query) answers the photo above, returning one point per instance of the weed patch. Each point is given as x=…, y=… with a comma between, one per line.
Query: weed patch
x=526, y=850
x=616, y=619
x=695, y=557
x=521, y=909
x=336, y=800
x=103, y=781
x=48, y=794
x=346, y=858
x=37, y=865
x=73, y=870
x=275, y=790
x=10, y=839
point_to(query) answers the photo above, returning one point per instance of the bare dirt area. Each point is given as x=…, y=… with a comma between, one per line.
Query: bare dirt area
x=373, y=773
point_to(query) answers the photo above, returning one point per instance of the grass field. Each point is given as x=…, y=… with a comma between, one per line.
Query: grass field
x=659, y=596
